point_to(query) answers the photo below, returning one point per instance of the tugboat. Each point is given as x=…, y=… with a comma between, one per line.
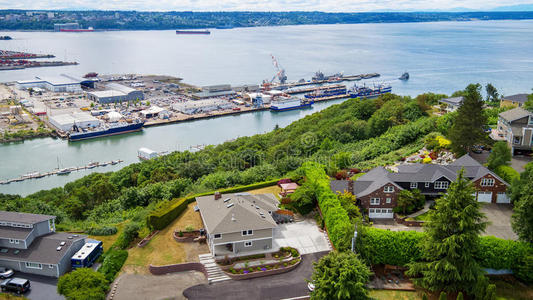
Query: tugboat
x=405, y=76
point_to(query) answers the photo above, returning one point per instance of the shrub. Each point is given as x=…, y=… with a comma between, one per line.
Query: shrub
x=189, y=228
x=83, y=283
x=131, y=232
x=106, y=230
x=113, y=261
x=443, y=296
x=524, y=269
x=507, y=173
x=427, y=160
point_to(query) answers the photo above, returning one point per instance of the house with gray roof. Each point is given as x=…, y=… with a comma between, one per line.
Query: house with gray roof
x=515, y=126
x=517, y=100
x=238, y=224
x=377, y=191
x=29, y=243
x=453, y=103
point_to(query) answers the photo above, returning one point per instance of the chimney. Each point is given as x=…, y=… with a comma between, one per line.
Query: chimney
x=218, y=195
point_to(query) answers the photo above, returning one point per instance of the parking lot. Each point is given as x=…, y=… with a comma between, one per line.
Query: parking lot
x=304, y=236
x=42, y=287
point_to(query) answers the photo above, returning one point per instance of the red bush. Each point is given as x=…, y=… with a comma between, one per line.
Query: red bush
x=433, y=155
x=341, y=175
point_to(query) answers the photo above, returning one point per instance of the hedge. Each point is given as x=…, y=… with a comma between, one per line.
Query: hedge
x=507, y=173
x=162, y=217
x=336, y=219
x=113, y=261
x=379, y=246
x=100, y=231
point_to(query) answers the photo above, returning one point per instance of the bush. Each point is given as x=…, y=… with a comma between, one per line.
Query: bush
x=106, y=230
x=83, y=283
x=162, y=217
x=524, y=270
x=131, y=232
x=507, y=173
x=113, y=261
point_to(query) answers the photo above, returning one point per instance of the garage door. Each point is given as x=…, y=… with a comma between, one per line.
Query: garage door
x=484, y=197
x=503, y=198
x=380, y=213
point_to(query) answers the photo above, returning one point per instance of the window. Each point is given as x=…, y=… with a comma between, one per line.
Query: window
x=17, y=241
x=217, y=236
x=516, y=140
x=248, y=244
x=247, y=232
x=441, y=185
x=14, y=241
x=33, y=265
x=378, y=210
x=530, y=120
x=51, y=266
x=427, y=184
x=388, y=200
x=374, y=201
x=371, y=210
x=389, y=210
x=487, y=182
x=388, y=189
x=414, y=185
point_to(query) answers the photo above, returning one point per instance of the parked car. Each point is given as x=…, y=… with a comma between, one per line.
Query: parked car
x=311, y=286
x=17, y=285
x=6, y=273
x=477, y=149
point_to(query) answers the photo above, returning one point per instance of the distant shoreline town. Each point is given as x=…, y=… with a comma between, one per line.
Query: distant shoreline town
x=39, y=20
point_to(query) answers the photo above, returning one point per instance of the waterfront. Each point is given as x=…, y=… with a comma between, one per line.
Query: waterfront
x=441, y=57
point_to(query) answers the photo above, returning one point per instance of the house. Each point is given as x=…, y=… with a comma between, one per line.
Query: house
x=452, y=104
x=288, y=188
x=377, y=191
x=516, y=127
x=29, y=243
x=238, y=224
x=517, y=100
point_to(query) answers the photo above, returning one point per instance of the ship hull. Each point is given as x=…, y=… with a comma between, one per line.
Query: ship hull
x=306, y=105
x=76, y=30
x=192, y=32
x=108, y=132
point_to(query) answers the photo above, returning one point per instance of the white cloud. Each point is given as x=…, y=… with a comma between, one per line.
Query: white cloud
x=261, y=5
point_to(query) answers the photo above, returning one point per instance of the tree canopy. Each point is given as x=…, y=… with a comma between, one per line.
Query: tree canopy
x=83, y=284
x=522, y=196
x=500, y=155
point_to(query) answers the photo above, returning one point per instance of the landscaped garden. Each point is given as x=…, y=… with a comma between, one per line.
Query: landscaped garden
x=282, y=259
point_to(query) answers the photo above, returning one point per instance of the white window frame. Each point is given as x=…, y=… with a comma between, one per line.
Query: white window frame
x=17, y=242
x=219, y=236
x=388, y=189
x=427, y=184
x=12, y=241
x=374, y=202
x=441, y=185
x=248, y=244
x=388, y=200
x=487, y=181
x=31, y=265
x=247, y=232
x=50, y=266
x=413, y=185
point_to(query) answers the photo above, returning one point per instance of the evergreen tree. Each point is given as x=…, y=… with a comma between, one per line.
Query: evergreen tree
x=449, y=251
x=443, y=296
x=522, y=196
x=460, y=296
x=500, y=155
x=529, y=103
x=467, y=129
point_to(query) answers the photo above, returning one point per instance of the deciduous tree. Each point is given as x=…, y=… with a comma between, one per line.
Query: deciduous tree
x=500, y=155
x=522, y=196
x=83, y=284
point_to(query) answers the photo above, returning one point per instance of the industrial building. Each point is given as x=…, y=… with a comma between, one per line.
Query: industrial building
x=153, y=112
x=115, y=93
x=215, y=91
x=67, y=26
x=65, y=122
x=58, y=84
x=201, y=106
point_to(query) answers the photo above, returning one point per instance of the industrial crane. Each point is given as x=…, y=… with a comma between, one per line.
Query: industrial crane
x=281, y=71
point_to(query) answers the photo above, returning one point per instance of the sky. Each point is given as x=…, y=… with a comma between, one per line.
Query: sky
x=270, y=5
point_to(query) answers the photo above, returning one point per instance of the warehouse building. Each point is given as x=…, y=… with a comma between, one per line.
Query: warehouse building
x=215, y=91
x=115, y=93
x=65, y=122
x=58, y=84
x=202, y=106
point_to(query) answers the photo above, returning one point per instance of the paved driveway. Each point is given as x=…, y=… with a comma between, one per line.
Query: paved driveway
x=42, y=287
x=286, y=285
x=499, y=216
x=304, y=236
x=518, y=162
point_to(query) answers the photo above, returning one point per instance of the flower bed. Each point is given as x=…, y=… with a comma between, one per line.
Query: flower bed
x=186, y=237
x=284, y=260
x=265, y=270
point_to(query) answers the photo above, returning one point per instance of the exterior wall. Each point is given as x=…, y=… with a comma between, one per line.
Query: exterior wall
x=46, y=270
x=510, y=103
x=237, y=236
x=498, y=187
x=65, y=264
x=4, y=243
x=38, y=230
x=422, y=187
x=257, y=245
x=379, y=193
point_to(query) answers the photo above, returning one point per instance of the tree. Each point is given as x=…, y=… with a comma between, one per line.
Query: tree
x=83, y=284
x=304, y=198
x=467, y=129
x=500, y=155
x=522, y=196
x=340, y=276
x=529, y=103
x=410, y=201
x=349, y=204
x=460, y=296
x=449, y=251
x=443, y=296
x=493, y=98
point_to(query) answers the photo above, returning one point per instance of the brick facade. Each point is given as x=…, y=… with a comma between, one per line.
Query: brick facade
x=380, y=193
x=498, y=187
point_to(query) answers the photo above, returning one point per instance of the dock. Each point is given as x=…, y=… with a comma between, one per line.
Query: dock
x=314, y=88
x=65, y=171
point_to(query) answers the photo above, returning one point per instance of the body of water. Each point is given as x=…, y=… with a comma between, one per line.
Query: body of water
x=441, y=57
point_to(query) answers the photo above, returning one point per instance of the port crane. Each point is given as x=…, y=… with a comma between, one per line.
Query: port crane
x=280, y=74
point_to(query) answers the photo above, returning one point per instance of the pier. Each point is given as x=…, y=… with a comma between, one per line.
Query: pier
x=65, y=171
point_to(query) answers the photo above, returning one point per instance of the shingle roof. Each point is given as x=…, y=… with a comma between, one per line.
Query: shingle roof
x=43, y=249
x=372, y=181
x=453, y=100
x=8, y=232
x=515, y=114
x=11, y=216
x=247, y=212
x=522, y=98
x=339, y=186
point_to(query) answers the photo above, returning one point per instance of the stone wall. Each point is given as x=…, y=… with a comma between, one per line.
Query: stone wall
x=193, y=266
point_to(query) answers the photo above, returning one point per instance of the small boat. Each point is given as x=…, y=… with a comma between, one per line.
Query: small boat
x=104, y=164
x=114, y=162
x=405, y=76
x=64, y=171
x=17, y=179
x=92, y=165
x=39, y=175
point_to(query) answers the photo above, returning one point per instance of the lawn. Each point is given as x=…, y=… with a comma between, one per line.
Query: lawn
x=267, y=190
x=423, y=217
x=163, y=249
x=390, y=294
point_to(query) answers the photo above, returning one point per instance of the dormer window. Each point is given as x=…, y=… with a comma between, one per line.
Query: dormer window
x=388, y=189
x=487, y=182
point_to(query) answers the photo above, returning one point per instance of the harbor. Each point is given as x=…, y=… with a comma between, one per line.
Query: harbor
x=14, y=60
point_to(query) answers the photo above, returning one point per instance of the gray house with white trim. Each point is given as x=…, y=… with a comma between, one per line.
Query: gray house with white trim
x=29, y=243
x=238, y=224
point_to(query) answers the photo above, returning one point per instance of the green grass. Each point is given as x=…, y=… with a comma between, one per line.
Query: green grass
x=423, y=217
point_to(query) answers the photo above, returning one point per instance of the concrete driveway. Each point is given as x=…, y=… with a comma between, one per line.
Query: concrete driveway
x=42, y=287
x=499, y=216
x=304, y=236
x=287, y=285
x=518, y=162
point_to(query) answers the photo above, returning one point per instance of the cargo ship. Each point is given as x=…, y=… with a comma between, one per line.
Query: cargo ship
x=90, y=29
x=369, y=92
x=283, y=104
x=111, y=129
x=193, y=32
x=321, y=93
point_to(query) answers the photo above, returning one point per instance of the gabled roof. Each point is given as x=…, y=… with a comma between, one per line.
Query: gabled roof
x=522, y=98
x=12, y=216
x=453, y=100
x=466, y=161
x=247, y=212
x=373, y=180
x=515, y=114
x=339, y=186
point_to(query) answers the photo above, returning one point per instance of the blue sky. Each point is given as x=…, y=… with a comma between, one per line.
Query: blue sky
x=265, y=5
